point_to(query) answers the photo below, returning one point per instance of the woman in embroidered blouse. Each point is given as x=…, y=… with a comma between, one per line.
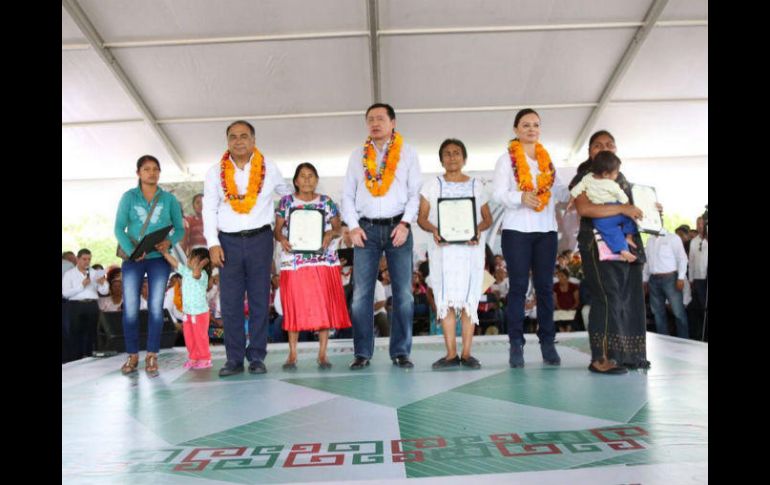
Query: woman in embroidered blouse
x=456, y=270
x=311, y=285
x=527, y=186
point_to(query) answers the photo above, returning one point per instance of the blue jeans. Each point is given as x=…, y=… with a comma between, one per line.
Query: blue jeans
x=524, y=251
x=365, y=268
x=157, y=271
x=663, y=288
x=246, y=272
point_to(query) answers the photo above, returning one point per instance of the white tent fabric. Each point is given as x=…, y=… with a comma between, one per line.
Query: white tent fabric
x=302, y=72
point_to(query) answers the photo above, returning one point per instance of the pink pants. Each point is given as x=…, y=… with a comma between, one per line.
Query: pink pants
x=196, y=336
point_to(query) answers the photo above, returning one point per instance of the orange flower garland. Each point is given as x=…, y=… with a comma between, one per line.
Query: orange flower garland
x=523, y=175
x=242, y=204
x=378, y=182
x=178, y=295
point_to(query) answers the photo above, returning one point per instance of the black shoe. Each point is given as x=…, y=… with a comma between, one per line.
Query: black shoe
x=229, y=370
x=471, y=362
x=257, y=367
x=444, y=363
x=403, y=362
x=289, y=366
x=611, y=370
x=324, y=364
x=359, y=363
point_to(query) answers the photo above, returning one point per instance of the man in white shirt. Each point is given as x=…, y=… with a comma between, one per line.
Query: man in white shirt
x=380, y=200
x=664, y=275
x=698, y=273
x=237, y=217
x=80, y=288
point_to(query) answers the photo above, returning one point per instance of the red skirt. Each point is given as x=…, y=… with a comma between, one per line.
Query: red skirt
x=312, y=299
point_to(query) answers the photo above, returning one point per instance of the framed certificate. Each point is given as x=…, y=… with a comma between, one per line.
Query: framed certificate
x=306, y=230
x=645, y=198
x=457, y=219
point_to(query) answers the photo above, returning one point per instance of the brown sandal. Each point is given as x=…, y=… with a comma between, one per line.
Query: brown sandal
x=131, y=364
x=151, y=364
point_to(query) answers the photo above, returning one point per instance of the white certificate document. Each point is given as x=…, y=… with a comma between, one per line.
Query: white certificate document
x=646, y=199
x=457, y=219
x=306, y=230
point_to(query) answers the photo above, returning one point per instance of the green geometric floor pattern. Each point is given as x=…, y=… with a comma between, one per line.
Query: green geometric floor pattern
x=391, y=424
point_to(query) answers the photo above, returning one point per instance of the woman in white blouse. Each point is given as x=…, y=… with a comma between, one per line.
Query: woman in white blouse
x=526, y=185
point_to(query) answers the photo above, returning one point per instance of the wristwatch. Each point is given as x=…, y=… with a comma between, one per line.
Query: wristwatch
x=408, y=226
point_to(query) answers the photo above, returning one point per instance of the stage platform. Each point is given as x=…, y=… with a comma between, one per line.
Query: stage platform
x=536, y=425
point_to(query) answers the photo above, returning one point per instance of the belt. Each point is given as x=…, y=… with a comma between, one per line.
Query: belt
x=249, y=232
x=82, y=301
x=384, y=222
x=660, y=275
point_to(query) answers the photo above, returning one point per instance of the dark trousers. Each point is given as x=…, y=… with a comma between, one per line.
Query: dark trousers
x=84, y=317
x=525, y=251
x=697, y=309
x=246, y=272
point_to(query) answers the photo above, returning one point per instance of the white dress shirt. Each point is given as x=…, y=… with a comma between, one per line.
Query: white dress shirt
x=665, y=254
x=218, y=214
x=699, y=258
x=72, y=285
x=517, y=216
x=402, y=196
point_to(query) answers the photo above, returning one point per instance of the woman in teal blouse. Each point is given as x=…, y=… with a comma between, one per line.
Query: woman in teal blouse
x=146, y=199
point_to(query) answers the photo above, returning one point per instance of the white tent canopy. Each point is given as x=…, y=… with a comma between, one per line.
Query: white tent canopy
x=167, y=76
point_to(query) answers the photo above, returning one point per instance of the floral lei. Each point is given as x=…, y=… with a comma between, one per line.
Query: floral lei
x=523, y=175
x=242, y=204
x=378, y=181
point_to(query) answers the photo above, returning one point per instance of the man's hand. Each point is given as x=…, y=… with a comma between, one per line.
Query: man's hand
x=217, y=256
x=399, y=235
x=679, y=285
x=358, y=236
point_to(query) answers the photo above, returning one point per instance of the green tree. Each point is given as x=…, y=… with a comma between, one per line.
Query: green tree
x=94, y=233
